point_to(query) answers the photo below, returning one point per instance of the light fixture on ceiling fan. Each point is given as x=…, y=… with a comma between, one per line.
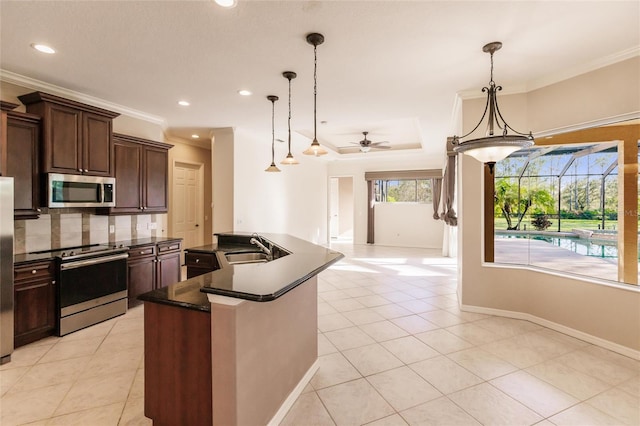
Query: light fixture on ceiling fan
x=273, y=167
x=315, y=149
x=366, y=144
x=289, y=160
x=492, y=148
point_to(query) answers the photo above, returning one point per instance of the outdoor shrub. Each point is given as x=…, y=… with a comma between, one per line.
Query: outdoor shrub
x=541, y=222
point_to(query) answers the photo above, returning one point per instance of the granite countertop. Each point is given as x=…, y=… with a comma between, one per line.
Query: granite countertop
x=259, y=282
x=22, y=258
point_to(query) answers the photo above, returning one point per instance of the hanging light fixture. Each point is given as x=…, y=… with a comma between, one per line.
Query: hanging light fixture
x=289, y=160
x=273, y=167
x=315, y=149
x=491, y=147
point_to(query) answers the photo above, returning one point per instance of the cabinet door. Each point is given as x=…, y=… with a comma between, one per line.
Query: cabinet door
x=3, y=143
x=23, y=136
x=34, y=303
x=63, y=149
x=96, y=144
x=168, y=269
x=155, y=180
x=128, y=173
x=141, y=275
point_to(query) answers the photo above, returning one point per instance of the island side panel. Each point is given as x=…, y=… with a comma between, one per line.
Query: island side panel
x=177, y=359
x=275, y=343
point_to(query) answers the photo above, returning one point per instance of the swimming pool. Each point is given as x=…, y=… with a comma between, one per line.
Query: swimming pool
x=607, y=250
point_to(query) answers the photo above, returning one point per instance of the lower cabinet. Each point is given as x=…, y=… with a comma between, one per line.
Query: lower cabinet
x=168, y=265
x=152, y=266
x=34, y=302
x=141, y=272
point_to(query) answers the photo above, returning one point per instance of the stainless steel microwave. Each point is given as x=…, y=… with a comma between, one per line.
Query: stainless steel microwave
x=80, y=191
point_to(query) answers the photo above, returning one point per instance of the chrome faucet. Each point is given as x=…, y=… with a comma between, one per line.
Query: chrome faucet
x=257, y=242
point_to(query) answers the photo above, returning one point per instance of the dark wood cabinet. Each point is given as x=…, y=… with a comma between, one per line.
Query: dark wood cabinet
x=23, y=141
x=152, y=266
x=34, y=302
x=76, y=137
x=5, y=107
x=200, y=263
x=168, y=264
x=141, y=272
x=141, y=169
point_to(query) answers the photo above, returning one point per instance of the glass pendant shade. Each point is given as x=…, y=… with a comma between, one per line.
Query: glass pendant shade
x=289, y=160
x=315, y=149
x=492, y=148
x=272, y=167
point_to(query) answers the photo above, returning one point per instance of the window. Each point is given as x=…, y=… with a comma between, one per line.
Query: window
x=403, y=191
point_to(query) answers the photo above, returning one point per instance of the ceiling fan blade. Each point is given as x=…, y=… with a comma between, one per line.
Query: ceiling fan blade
x=373, y=146
x=378, y=143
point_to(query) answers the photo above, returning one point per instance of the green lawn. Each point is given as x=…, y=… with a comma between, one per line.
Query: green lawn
x=566, y=225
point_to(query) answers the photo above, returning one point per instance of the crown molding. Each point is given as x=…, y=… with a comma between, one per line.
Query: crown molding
x=558, y=77
x=31, y=83
x=584, y=68
x=634, y=115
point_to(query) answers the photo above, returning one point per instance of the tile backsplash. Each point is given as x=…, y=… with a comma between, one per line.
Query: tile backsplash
x=75, y=227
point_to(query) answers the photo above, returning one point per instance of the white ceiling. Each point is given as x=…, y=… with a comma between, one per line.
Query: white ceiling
x=388, y=67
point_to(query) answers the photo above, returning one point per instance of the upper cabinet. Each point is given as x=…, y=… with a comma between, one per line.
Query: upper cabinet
x=5, y=107
x=76, y=137
x=141, y=169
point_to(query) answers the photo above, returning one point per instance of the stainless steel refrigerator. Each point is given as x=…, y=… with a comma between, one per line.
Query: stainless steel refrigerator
x=6, y=269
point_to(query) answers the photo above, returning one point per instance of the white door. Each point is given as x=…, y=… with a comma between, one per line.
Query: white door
x=334, y=208
x=187, y=202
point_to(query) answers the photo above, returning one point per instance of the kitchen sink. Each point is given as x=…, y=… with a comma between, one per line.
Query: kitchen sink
x=246, y=257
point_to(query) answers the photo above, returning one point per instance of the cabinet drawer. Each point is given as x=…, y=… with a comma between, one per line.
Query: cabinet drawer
x=202, y=260
x=32, y=271
x=142, y=251
x=168, y=247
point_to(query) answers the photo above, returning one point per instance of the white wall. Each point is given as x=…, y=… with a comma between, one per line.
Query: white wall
x=407, y=225
x=293, y=201
x=370, y=163
x=604, y=314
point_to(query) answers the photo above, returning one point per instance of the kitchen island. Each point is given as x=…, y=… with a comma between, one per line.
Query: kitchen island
x=236, y=345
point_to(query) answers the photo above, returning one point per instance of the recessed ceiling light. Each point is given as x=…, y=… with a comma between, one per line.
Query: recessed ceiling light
x=226, y=3
x=194, y=136
x=183, y=103
x=43, y=48
x=244, y=92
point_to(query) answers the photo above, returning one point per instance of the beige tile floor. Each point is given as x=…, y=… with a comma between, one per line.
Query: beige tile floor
x=394, y=350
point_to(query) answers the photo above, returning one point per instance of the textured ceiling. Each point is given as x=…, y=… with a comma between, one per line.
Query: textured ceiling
x=388, y=67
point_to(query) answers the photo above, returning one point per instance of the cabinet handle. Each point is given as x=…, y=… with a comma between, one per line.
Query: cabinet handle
x=172, y=247
x=38, y=210
x=159, y=260
x=197, y=260
x=85, y=170
x=142, y=252
x=53, y=282
x=80, y=170
x=141, y=208
x=34, y=271
x=144, y=208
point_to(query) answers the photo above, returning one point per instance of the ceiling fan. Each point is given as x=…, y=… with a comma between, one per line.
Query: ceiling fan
x=366, y=144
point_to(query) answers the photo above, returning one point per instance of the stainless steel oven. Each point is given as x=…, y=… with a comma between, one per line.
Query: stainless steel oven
x=92, y=286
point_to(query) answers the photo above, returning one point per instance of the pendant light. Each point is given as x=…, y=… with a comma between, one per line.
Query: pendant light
x=492, y=148
x=289, y=160
x=272, y=167
x=315, y=149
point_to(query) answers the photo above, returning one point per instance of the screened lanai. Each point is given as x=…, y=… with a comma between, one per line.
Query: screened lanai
x=556, y=207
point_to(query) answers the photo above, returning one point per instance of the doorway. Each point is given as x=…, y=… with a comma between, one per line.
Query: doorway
x=188, y=195
x=341, y=209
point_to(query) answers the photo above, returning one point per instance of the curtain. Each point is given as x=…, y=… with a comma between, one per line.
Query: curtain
x=436, y=192
x=371, y=200
x=448, y=188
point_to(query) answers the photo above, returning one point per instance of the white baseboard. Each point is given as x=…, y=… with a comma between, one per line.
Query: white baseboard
x=606, y=344
x=293, y=396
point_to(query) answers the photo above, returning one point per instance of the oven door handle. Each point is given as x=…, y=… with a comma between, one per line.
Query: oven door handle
x=92, y=261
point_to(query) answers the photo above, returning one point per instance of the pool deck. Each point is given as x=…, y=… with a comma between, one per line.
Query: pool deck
x=545, y=255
